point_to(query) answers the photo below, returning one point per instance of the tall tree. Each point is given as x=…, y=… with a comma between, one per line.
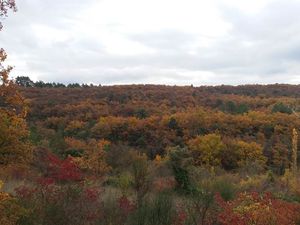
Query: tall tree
x=14, y=144
x=294, y=151
x=24, y=81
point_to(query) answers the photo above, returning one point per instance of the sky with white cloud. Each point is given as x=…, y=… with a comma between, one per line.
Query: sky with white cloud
x=182, y=42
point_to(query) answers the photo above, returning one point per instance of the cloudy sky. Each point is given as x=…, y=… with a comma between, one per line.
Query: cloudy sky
x=182, y=42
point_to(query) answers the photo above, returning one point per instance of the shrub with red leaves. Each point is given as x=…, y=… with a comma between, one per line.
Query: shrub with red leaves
x=253, y=208
x=180, y=218
x=92, y=194
x=45, y=181
x=56, y=203
x=126, y=205
x=164, y=183
x=62, y=170
x=25, y=192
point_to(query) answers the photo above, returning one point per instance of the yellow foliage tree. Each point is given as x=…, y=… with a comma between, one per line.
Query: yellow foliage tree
x=249, y=152
x=74, y=126
x=238, y=153
x=14, y=145
x=93, y=156
x=206, y=149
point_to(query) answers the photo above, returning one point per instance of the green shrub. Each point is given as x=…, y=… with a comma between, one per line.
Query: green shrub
x=180, y=159
x=111, y=211
x=199, y=206
x=282, y=108
x=158, y=210
x=225, y=187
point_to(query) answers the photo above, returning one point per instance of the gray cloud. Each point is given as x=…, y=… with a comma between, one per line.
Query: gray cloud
x=262, y=47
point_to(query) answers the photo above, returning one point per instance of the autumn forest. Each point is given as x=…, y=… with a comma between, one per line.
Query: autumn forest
x=87, y=154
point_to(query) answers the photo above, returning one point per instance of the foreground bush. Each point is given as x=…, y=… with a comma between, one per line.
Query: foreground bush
x=255, y=209
x=157, y=211
x=10, y=210
x=50, y=204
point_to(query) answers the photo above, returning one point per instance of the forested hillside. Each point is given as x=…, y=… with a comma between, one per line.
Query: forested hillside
x=154, y=118
x=156, y=154
x=196, y=153
x=87, y=154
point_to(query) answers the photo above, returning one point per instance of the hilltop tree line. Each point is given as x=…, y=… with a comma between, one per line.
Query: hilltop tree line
x=25, y=81
x=273, y=90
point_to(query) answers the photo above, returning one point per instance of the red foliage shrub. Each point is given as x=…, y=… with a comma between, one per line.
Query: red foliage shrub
x=253, y=208
x=164, y=183
x=180, y=218
x=126, y=205
x=45, y=181
x=54, y=202
x=92, y=194
x=25, y=192
x=62, y=170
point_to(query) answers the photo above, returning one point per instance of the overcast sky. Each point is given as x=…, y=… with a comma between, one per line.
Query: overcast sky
x=182, y=42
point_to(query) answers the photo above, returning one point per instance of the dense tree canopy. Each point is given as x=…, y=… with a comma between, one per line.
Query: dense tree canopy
x=220, y=128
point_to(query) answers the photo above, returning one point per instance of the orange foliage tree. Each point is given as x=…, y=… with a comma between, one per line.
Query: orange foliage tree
x=14, y=147
x=89, y=155
x=238, y=153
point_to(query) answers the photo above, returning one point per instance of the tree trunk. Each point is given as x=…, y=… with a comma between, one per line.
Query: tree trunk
x=294, y=151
